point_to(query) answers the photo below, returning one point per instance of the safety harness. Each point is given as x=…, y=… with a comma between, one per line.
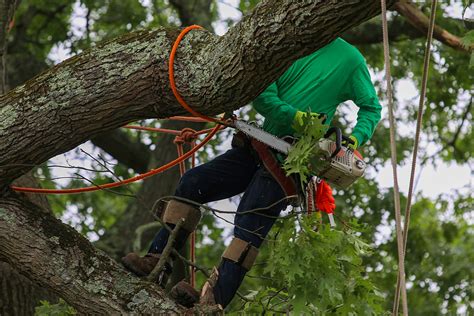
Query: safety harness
x=319, y=195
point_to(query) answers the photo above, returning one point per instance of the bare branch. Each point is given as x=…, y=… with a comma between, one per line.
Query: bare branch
x=421, y=22
x=118, y=144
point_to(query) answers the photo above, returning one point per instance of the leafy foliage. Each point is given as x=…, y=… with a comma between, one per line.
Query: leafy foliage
x=468, y=40
x=298, y=159
x=317, y=271
x=59, y=309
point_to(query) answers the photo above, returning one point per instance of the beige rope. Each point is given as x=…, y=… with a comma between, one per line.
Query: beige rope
x=419, y=121
x=393, y=149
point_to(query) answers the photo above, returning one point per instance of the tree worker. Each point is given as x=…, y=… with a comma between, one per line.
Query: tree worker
x=319, y=82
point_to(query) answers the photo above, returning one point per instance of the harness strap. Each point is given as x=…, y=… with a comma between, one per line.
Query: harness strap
x=272, y=165
x=241, y=252
x=177, y=210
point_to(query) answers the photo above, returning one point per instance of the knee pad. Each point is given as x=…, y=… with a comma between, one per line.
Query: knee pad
x=175, y=210
x=241, y=253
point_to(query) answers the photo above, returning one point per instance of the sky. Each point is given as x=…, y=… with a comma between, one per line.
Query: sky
x=431, y=180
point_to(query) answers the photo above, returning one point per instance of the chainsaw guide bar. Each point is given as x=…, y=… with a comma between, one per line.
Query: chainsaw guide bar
x=268, y=139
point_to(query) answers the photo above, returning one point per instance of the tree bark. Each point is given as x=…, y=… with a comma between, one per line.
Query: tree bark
x=18, y=294
x=126, y=79
x=56, y=256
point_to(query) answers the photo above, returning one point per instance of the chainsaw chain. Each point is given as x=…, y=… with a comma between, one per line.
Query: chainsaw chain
x=253, y=124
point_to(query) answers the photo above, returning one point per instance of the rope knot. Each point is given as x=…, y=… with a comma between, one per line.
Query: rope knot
x=187, y=135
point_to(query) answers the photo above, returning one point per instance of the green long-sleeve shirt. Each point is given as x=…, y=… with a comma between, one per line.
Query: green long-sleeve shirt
x=320, y=82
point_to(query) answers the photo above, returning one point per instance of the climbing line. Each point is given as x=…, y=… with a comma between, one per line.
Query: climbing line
x=180, y=139
x=419, y=121
x=187, y=136
x=178, y=161
x=173, y=83
x=187, y=119
x=169, y=131
x=126, y=181
x=393, y=150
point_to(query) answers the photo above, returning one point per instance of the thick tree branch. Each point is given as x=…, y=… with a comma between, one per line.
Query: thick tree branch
x=126, y=79
x=421, y=22
x=117, y=143
x=399, y=28
x=57, y=256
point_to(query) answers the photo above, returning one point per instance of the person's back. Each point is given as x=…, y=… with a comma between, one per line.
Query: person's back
x=318, y=82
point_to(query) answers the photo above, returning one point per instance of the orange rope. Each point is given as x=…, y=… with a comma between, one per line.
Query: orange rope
x=168, y=131
x=126, y=181
x=188, y=136
x=171, y=76
x=187, y=119
x=193, y=112
x=192, y=250
x=153, y=129
x=179, y=160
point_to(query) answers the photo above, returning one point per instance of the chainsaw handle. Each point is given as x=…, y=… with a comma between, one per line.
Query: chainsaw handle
x=348, y=140
x=337, y=131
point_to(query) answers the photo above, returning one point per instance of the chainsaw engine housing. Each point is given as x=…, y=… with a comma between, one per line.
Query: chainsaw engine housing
x=341, y=170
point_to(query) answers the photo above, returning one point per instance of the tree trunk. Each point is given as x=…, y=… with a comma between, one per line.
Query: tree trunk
x=55, y=255
x=125, y=80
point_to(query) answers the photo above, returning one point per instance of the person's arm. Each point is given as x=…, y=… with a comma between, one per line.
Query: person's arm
x=269, y=104
x=365, y=97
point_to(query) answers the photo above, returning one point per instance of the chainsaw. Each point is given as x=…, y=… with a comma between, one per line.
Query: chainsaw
x=331, y=161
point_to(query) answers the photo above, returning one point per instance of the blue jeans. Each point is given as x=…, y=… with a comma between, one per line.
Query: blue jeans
x=229, y=174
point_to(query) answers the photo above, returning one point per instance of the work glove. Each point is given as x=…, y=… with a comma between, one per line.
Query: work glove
x=299, y=119
x=353, y=146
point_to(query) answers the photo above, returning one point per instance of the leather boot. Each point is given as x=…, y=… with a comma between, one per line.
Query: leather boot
x=142, y=266
x=183, y=293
